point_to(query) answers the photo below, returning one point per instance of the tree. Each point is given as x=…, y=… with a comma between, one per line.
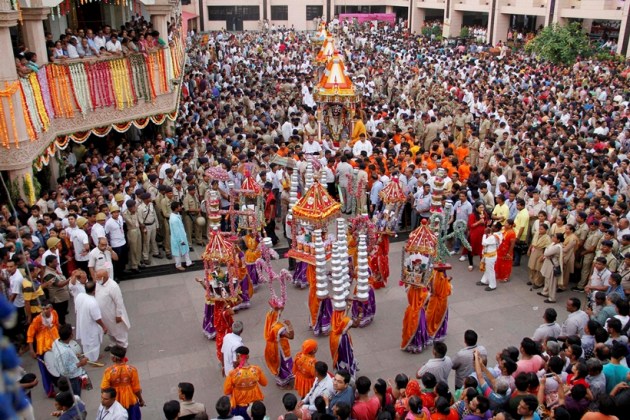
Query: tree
x=561, y=44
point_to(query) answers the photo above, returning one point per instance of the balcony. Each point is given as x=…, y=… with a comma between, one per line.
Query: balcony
x=431, y=4
x=472, y=5
x=524, y=7
x=593, y=9
x=76, y=98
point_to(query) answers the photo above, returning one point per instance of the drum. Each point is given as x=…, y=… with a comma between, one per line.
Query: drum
x=201, y=221
x=51, y=363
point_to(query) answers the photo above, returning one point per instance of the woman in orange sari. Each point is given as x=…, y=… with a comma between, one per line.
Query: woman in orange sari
x=277, y=348
x=304, y=367
x=414, y=332
x=340, y=342
x=437, y=308
x=505, y=253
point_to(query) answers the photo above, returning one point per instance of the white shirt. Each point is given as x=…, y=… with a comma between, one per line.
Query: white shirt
x=72, y=51
x=113, y=46
x=99, y=41
x=114, y=229
x=231, y=342
x=79, y=240
x=98, y=231
x=310, y=148
x=361, y=146
x=319, y=388
x=490, y=244
x=115, y=412
x=15, y=282
x=100, y=260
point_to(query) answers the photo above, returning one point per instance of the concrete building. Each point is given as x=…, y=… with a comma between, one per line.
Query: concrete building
x=598, y=17
x=74, y=98
x=609, y=17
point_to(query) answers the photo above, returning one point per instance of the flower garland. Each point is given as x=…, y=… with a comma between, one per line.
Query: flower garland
x=40, y=102
x=26, y=110
x=8, y=92
x=149, y=65
x=42, y=80
x=81, y=89
x=54, y=98
x=267, y=275
x=29, y=188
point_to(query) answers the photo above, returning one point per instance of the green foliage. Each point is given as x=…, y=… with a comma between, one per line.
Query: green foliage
x=426, y=31
x=465, y=32
x=561, y=44
x=436, y=30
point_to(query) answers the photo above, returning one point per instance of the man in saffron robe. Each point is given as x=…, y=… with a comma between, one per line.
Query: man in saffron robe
x=277, y=348
x=125, y=380
x=304, y=367
x=43, y=332
x=437, y=308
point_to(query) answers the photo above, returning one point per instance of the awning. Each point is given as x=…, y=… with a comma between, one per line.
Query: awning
x=186, y=16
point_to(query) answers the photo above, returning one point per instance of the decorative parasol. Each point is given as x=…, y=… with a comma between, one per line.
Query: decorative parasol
x=316, y=206
x=217, y=173
x=393, y=193
x=422, y=241
x=335, y=86
x=250, y=188
x=218, y=250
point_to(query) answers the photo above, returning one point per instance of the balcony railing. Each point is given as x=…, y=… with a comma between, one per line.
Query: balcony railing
x=82, y=88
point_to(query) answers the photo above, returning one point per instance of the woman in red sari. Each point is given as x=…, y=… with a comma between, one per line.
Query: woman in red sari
x=223, y=321
x=379, y=262
x=476, y=226
x=505, y=252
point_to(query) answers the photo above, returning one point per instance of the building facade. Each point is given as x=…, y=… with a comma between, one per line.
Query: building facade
x=70, y=100
x=599, y=17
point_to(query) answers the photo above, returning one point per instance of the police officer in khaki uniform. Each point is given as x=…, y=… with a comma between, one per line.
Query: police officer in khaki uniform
x=149, y=225
x=134, y=237
x=165, y=210
x=192, y=210
x=178, y=191
x=151, y=186
x=156, y=203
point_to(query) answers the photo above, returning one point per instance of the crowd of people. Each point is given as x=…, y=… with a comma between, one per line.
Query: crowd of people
x=134, y=37
x=536, y=164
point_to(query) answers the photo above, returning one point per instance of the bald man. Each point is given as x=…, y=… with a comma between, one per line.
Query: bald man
x=113, y=311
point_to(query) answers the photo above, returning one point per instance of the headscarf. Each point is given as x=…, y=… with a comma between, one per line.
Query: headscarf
x=309, y=346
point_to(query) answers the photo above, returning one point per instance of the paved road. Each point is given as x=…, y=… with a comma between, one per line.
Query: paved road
x=167, y=345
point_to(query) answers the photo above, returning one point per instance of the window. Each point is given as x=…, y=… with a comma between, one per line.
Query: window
x=186, y=2
x=228, y=12
x=313, y=12
x=279, y=12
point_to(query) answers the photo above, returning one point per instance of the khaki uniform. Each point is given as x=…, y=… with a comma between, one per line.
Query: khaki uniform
x=148, y=218
x=191, y=203
x=164, y=208
x=591, y=241
x=611, y=261
x=134, y=238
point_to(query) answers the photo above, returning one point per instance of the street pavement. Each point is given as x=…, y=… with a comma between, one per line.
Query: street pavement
x=167, y=345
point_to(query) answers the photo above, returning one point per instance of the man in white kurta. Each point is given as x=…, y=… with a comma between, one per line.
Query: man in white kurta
x=90, y=327
x=110, y=300
x=490, y=243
